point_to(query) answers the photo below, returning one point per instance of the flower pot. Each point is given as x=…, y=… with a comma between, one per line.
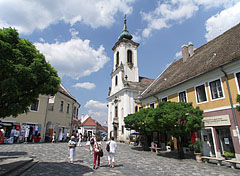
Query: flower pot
x=198, y=157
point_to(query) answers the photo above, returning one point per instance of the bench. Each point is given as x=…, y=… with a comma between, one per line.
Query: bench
x=155, y=149
x=233, y=163
x=207, y=158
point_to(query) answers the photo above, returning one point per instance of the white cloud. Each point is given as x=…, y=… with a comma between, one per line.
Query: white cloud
x=85, y=85
x=223, y=21
x=73, y=32
x=166, y=14
x=97, y=110
x=99, y=116
x=170, y=12
x=92, y=104
x=178, y=54
x=27, y=16
x=74, y=58
x=41, y=39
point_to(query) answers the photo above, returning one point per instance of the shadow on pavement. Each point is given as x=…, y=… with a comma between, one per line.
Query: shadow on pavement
x=59, y=168
x=12, y=153
x=174, y=154
x=137, y=148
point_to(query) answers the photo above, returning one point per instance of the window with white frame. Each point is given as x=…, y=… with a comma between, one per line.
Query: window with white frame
x=34, y=106
x=201, y=94
x=164, y=99
x=216, y=89
x=182, y=97
x=68, y=107
x=238, y=79
x=61, y=106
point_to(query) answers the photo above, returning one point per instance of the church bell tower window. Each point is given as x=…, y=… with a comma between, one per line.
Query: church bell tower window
x=117, y=59
x=129, y=58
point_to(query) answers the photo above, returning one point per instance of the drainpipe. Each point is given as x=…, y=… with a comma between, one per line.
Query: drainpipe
x=233, y=112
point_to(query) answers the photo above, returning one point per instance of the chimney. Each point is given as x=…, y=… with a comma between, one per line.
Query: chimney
x=190, y=49
x=185, y=54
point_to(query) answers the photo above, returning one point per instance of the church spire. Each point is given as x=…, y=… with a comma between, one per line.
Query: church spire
x=125, y=34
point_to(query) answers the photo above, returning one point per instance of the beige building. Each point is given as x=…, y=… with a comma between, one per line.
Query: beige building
x=50, y=113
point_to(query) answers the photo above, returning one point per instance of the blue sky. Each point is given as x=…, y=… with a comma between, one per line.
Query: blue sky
x=77, y=36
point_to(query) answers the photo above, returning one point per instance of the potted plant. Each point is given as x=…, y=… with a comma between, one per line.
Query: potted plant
x=197, y=148
x=228, y=155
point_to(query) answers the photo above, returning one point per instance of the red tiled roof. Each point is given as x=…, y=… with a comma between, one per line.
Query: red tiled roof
x=89, y=122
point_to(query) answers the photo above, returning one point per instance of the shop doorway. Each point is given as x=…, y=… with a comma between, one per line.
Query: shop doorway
x=208, y=144
x=225, y=140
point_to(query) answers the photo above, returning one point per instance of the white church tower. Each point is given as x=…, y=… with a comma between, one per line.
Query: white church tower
x=125, y=83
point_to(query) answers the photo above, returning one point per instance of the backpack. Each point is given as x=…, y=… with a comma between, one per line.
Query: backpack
x=108, y=147
x=101, y=153
x=91, y=141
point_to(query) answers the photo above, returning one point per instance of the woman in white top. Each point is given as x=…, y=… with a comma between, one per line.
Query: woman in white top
x=112, y=152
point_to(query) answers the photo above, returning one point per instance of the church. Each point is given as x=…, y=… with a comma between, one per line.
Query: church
x=126, y=86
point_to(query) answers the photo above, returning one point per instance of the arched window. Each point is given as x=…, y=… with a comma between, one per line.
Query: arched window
x=129, y=56
x=117, y=59
x=116, y=81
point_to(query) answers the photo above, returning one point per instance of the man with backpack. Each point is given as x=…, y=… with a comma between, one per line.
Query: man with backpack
x=111, y=149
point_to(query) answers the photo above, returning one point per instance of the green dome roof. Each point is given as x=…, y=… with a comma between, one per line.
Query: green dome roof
x=125, y=34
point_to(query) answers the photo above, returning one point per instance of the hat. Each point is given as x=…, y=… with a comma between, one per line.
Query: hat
x=72, y=137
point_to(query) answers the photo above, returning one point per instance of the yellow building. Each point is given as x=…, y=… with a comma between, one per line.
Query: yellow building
x=208, y=77
x=47, y=115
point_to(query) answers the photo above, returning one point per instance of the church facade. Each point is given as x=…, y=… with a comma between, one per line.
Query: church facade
x=126, y=84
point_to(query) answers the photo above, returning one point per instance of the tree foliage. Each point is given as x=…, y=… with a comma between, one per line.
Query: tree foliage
x=24, y=74
x=172, y=118
x=238, y=100
x=140, y=121
x=177, y=119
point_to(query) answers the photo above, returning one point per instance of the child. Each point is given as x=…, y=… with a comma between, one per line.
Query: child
x=72, y=145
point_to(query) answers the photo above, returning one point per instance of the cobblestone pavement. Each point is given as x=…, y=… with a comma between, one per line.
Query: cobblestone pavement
x=53, y=160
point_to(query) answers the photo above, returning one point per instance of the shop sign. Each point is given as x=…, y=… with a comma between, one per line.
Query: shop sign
x=222, y=120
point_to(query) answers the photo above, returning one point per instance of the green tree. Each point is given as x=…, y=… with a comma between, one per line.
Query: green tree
x=238, y=100
x=178, y=120
x=24, y=74
x=142, y=122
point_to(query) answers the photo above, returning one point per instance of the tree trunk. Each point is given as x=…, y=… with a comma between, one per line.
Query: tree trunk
x=180, y=148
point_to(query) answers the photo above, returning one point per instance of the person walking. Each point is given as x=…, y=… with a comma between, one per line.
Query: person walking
x=112, y=152
x=92, y=142
x=72, y=145
x=97, y=148
x=88, y=143
x=54, y=137
x=79, y=140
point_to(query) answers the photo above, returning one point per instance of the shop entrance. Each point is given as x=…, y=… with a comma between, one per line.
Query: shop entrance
x=208, y=144
x=225, y=140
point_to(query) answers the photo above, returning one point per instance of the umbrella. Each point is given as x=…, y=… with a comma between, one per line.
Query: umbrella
x=134, y=133
x=103, y=133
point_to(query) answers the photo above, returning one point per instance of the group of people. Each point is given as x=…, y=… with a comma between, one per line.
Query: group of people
x=95, y=146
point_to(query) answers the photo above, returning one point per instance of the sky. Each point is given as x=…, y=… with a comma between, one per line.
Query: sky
x=77, y=36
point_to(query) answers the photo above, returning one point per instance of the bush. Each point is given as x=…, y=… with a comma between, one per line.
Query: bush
x=197, y=146
x=229, y=154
